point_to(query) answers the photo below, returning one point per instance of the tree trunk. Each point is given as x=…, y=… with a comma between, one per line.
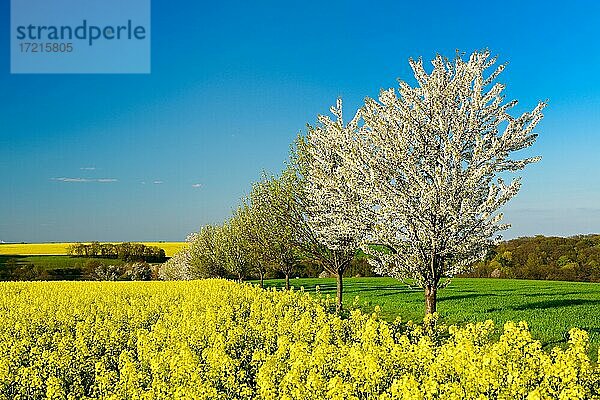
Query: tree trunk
x=430, y=299
x=340, y=288
x=287, y=281
x=262, y=280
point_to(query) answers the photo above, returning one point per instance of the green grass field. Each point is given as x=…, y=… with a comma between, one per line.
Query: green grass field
x=551, y=308
x=29, y=249
x=57, y=267
x=56, y=262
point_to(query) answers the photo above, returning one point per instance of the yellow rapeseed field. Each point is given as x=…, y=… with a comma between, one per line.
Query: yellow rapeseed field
x=30, y=249
x=215, y=339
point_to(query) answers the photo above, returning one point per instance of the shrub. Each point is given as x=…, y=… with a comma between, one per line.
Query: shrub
x=89, y=268
x=138, y=271
x=177, y=267
x=108, y=272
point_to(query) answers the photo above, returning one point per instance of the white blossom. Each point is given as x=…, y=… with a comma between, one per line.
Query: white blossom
x=426, y=162
x=332, y=199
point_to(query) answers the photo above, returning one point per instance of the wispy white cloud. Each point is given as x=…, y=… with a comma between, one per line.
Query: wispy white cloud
x=77, y=180
x=88, y=168
x=63, y=179
x=197, y=185
x=158, y=182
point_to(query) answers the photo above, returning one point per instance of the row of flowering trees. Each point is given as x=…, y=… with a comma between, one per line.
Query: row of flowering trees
x=259, y=238
x=413, y=180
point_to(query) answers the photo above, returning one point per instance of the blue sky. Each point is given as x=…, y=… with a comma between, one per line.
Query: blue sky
x=233, y=83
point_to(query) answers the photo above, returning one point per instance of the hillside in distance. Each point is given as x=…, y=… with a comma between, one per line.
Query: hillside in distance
x=575, y=258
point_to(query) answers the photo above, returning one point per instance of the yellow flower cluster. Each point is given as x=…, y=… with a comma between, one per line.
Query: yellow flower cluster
x=215, y=339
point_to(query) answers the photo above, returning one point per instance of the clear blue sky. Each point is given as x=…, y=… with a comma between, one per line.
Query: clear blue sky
x=233, y=83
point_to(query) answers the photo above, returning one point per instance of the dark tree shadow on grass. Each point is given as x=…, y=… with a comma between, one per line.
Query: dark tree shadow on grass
x=553, y=293
x=398, y=289
x=472, y=295
x=555, y=303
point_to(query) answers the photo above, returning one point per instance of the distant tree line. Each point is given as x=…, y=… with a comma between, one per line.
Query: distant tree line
x=575, y=258
x=122, y=251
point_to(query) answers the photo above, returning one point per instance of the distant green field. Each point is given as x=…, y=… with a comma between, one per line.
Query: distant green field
x=551, y=308
x=27, y=249
x=54, y=262
x=56, y=267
